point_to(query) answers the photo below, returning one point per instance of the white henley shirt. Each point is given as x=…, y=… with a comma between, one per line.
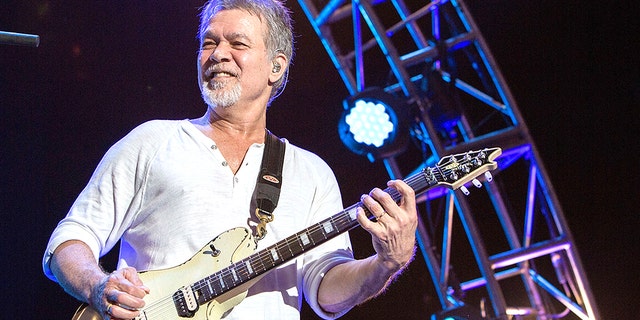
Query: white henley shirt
x=165, y=191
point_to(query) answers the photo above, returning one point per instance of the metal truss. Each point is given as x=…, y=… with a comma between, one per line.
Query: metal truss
x=433, y=56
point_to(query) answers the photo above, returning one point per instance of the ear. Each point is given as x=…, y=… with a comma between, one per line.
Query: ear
x=279, y=65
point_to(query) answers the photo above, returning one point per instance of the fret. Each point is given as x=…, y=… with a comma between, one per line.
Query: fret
x=203, y=291
x=264, y=268
x=338, y=223
x=317, y=235
x=239, y=273
x=304, y=239
x=327, y=226
x=346, y=220
x=257, y=262
x=283, y=248
x=274, y=254
x=294, y=245
x=324, y=234
x=395, y=195
x=209, y=292
x=249, y=268
x=235, y=275
x=220, y=279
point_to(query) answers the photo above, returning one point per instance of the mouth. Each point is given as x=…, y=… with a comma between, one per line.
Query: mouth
x=216, y=73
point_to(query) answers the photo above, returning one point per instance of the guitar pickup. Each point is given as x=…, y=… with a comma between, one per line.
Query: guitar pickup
x=186, y=302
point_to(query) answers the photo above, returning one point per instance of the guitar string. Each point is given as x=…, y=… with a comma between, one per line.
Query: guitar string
x=286, y=244
x=320, y=226
x=240, y=267
x=265, y=258
x=159, y=308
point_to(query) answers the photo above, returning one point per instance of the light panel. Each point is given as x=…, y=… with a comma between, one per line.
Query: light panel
x=373, y=124
x=370, y=123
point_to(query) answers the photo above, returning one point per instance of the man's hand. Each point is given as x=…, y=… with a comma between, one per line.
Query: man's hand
x=119, y=295
x=393, y=232
x=115, y=296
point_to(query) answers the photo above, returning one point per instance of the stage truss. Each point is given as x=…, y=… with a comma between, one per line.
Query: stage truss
x=431, y=54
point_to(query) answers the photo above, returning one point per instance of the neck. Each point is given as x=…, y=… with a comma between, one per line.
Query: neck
x=224, y=123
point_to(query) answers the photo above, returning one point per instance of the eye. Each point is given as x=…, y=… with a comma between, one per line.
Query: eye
x=208, y=45
x=239, y=44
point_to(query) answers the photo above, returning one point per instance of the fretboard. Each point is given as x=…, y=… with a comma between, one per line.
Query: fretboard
x=293, y=246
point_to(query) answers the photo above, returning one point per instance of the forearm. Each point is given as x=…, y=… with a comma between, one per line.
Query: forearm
x=76, y=270
x=352, y=283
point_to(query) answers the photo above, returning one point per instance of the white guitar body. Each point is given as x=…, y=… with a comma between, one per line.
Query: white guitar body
x=230, y=246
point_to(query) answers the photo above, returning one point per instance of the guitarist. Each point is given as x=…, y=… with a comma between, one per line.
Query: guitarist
x=168, y=187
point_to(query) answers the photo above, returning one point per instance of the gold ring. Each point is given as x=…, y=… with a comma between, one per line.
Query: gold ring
x=109, y=309
x=382, y=215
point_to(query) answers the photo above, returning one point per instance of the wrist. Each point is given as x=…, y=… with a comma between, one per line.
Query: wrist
x=393, y=266
x=387, y=267
x=95, y=289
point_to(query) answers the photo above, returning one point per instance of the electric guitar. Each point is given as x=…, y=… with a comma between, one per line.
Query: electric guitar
x=217, y=277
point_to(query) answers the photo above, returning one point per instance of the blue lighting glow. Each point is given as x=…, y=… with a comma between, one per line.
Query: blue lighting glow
x=374, y=124
x=369, y=123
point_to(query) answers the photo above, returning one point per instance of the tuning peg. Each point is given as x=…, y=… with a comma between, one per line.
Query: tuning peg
x=488, y=176
x=477, y=183
x=465, y=190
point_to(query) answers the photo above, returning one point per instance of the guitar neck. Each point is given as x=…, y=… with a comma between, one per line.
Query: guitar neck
x=293, y=246
x=451, y=172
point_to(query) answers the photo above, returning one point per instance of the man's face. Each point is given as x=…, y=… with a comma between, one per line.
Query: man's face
x=233, y=61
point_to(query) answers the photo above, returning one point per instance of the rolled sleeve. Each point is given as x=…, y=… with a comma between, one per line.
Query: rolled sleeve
x=314, y=273
x=66, y=231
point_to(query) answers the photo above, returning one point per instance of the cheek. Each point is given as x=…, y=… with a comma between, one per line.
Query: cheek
x=251, y=63
x=202, y=63
x=203, y=58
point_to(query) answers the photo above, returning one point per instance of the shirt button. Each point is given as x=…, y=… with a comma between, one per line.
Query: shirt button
x=213, y=147
x=236, y=179
x=224, y=163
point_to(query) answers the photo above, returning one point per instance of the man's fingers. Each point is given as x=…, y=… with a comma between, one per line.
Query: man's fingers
x=124, y=293
x=132, y=276
x=117, y=311
x=374, y=202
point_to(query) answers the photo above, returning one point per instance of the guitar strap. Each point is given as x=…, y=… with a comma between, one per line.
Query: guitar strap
x=269, y=182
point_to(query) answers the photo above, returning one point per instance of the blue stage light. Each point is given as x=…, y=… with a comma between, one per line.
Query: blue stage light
x=373, y=124
x=370, y=122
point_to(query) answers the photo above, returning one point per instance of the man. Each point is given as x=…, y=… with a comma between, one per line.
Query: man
x=169, y=187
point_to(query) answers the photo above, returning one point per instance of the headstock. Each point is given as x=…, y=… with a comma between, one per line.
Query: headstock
x=455, y=171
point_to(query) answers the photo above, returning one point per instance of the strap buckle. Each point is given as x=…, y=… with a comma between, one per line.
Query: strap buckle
x=264, y=217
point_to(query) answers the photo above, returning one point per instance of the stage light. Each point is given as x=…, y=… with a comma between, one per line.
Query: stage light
x=374, y=124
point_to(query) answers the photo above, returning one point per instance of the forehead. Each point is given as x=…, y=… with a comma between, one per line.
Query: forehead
x=236, y=23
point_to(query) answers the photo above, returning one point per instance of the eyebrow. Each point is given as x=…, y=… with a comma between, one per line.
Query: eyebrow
x=231, y=36
x=239, y=36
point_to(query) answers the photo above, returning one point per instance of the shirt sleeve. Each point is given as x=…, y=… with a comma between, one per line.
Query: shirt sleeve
x=318, y=262
x=105, y=207
x=313, y=275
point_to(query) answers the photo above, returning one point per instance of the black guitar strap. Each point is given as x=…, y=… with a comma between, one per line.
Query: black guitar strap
x=269, y=182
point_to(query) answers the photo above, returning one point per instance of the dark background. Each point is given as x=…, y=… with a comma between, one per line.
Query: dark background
x=103, y=67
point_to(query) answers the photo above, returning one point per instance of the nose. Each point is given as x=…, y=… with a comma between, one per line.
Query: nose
x=220, y=53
